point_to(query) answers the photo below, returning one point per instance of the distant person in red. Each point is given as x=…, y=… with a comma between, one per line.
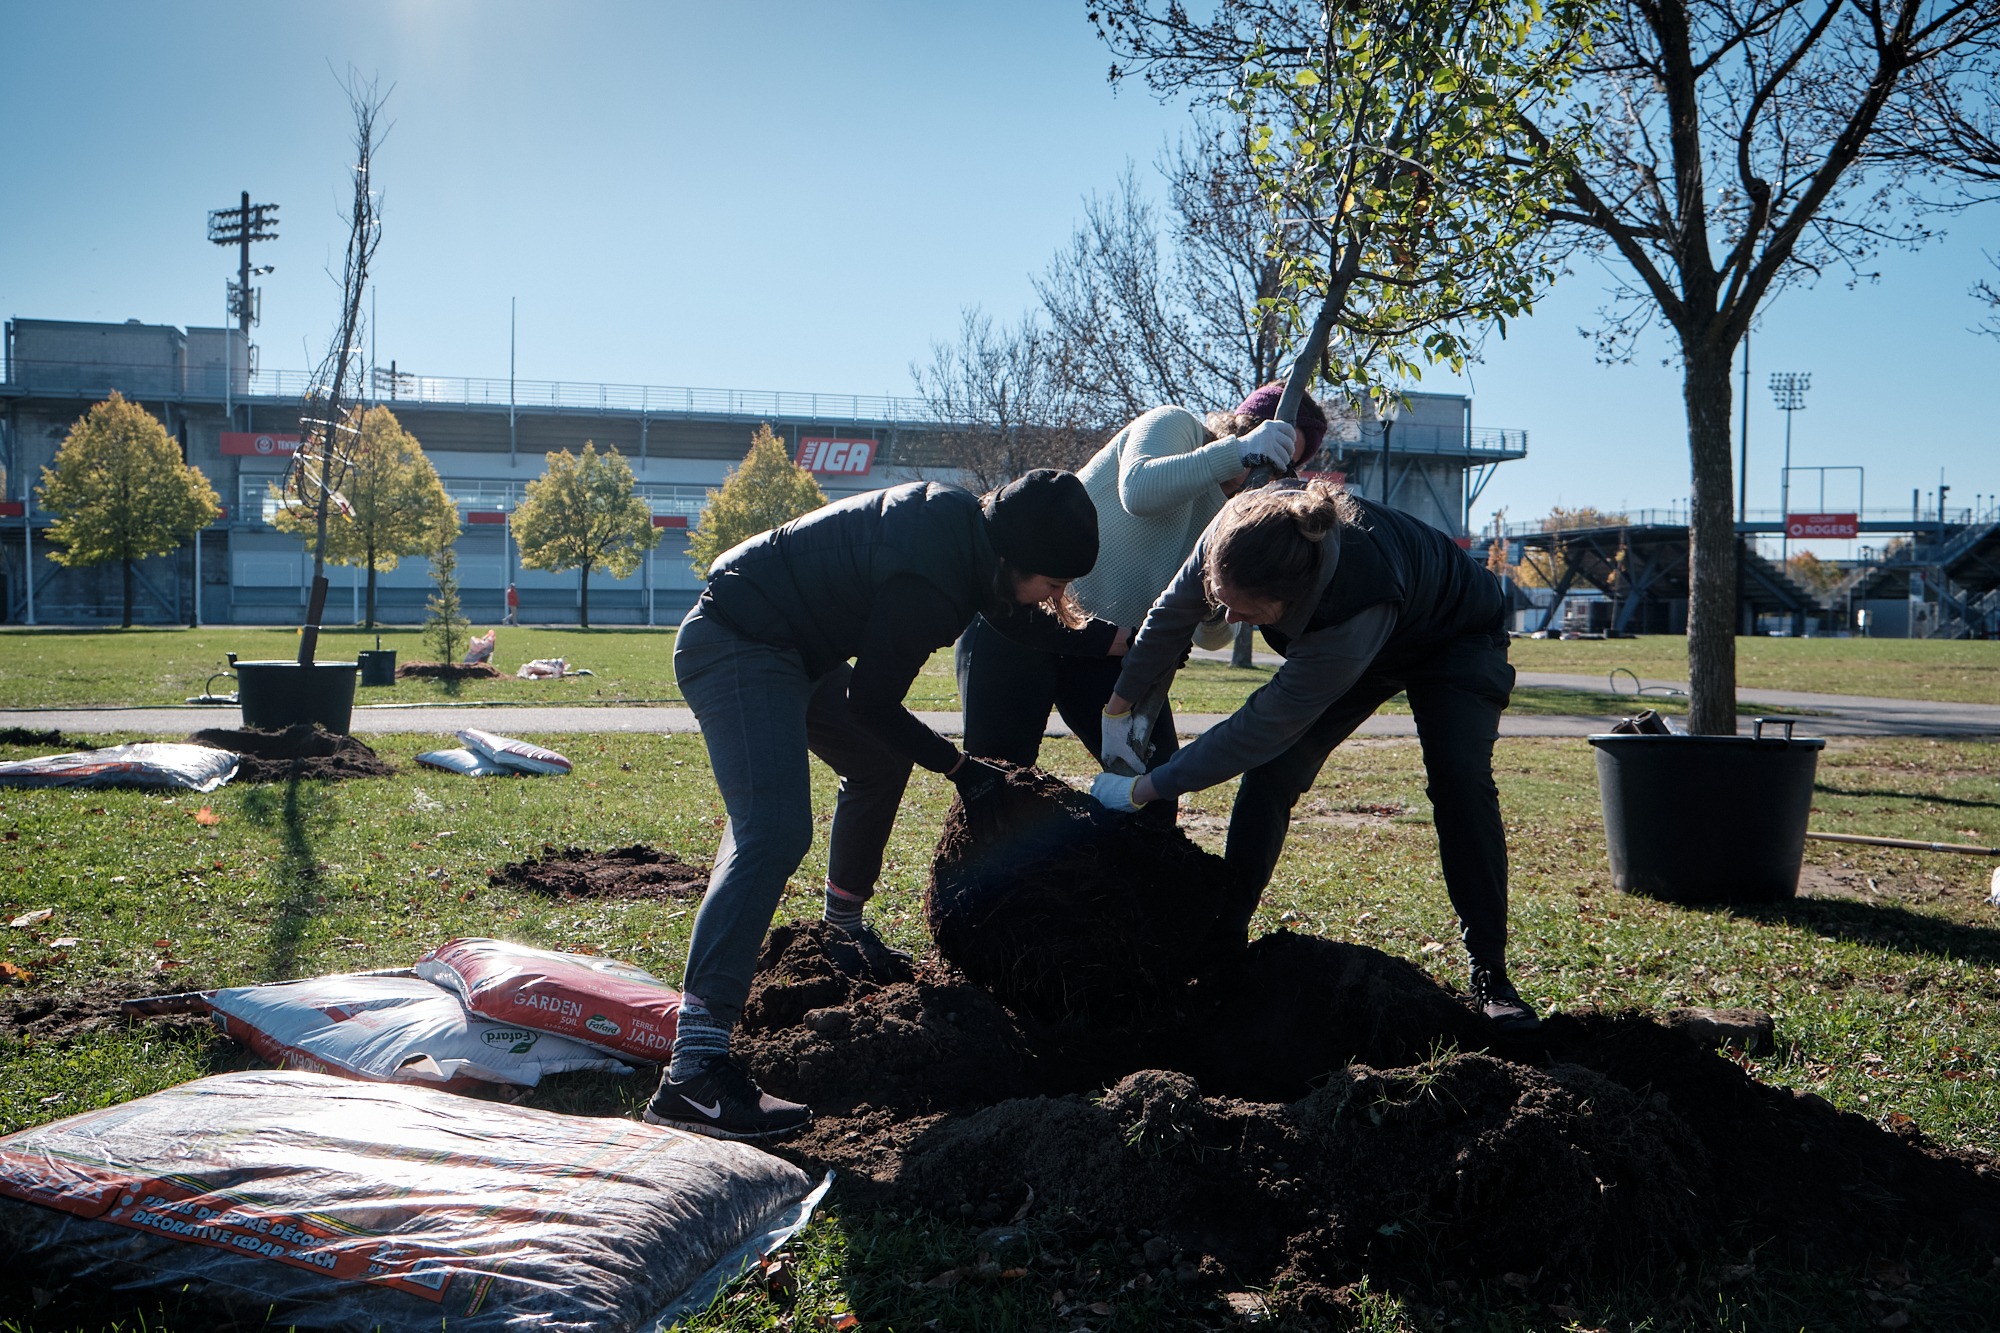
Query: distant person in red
x=513, y=606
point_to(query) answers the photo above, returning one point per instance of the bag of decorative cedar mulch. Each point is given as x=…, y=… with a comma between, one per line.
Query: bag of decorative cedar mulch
x=320, y=1203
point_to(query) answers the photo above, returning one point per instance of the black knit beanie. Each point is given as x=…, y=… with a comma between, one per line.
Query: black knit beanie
x=1044, y=523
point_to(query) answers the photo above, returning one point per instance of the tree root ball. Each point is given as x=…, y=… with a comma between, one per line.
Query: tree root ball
x=1069, y=913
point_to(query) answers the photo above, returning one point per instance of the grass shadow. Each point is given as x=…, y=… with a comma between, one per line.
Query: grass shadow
x=1928, y=798
x=1881, y=926
x=299, y=876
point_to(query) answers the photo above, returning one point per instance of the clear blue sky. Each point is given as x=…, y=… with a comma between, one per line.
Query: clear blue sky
x=787, y=195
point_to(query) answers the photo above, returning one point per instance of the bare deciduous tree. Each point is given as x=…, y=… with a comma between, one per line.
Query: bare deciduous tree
x=1003, y=401
x=1750, y=145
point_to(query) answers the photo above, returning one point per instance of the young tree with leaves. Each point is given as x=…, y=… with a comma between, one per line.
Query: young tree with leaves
x=584, y=513
x=1392, y=143
x=446, y=628
x=1745, y=146
x=765, y=491
x=396, y=505
x=120, y=491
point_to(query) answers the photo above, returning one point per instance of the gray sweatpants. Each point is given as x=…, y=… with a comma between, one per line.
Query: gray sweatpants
x=760, y=713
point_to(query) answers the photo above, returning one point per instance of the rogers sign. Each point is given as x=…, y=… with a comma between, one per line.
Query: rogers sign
x=1841, y=527
x=253, y=444
x=835, y=457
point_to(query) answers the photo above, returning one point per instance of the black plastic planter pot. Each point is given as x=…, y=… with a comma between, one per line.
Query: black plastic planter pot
x=378, y=666
x=1707, y=819
x=276, y=695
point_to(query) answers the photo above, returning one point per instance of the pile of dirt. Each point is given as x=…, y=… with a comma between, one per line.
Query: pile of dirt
x=1617, y=1146
x=1072, y=914
x=30, y=736
x=305, y=751
x=446, y=671
x=637, y=871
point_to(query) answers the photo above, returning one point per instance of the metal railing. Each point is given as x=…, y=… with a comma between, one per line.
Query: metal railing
x=666, y=499
x=1676, y=516
x=207, y=383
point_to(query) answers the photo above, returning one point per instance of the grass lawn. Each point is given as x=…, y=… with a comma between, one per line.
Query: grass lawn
x=1942, y=671
x=57, y=668
x=1885, y=984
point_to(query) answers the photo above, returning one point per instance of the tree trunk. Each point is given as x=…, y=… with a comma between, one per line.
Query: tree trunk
x=583, y=601
x=1240, y=655
x=1711, y=545
x=127, y=563
x=371, y=588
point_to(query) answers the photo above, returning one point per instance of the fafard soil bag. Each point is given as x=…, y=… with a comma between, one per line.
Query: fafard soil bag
x=393, y=1028
x=522, y=756
x=599, y=1000
x=327, y=1204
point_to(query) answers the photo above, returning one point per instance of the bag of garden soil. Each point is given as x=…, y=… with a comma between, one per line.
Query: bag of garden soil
x=591, y=999
x=146, y=764
x=522, y=756
x=324, y=1204
x=393, y=1029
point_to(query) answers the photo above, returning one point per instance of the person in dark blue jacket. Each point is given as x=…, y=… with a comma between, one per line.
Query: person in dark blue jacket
x=1364, y=602
x=806, y=639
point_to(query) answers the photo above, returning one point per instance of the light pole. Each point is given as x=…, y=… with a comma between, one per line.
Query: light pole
x=1788, y=391
x=1387, y=409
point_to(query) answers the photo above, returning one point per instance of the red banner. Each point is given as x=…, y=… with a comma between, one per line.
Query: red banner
x=1839, y=527
x=828, y=456
x=251, y=444
x=493, y=516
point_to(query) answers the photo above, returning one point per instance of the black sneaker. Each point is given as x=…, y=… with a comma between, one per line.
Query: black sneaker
x=723, y=1102
x=874, y=948
x=1501, y=1003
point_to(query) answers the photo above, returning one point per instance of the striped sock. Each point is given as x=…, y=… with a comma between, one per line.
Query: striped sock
x=699, y=1037
x=843, y=909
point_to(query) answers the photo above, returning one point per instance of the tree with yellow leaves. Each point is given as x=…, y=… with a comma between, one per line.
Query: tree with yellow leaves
x=765, y=491
x=120, y=490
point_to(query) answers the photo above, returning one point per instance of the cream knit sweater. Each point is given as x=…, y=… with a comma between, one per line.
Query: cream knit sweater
x=1156, y=485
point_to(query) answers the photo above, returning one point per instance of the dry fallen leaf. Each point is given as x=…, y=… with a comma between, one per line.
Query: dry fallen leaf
x=10, y=972
x=36, y=917
x=207, y=817
x=66, y=942
x=948, y=1278
x=844, y=1321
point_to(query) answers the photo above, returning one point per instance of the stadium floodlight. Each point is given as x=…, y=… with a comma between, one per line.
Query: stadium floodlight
x=1788, y=391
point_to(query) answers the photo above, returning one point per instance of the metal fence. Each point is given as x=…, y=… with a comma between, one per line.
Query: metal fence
x=255, y=504
x=207, y=383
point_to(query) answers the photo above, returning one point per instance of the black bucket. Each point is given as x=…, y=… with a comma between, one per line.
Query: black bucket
x=276, y=695
x=378, y=666
x=1707, y=819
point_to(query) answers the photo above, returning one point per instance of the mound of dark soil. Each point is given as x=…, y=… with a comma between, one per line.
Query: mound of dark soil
x=637, y=871
x=1072, y=914
x=1618, y=1145
x=304, y=751
x=446, y=671
x=29, y=736
x=842, y=1028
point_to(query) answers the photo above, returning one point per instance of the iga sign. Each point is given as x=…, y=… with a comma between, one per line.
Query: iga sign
x=834, y=457
x=248, y=444
x=1840, y=527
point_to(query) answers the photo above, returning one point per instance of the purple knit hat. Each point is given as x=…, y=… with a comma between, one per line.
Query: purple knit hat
x=1263, y=404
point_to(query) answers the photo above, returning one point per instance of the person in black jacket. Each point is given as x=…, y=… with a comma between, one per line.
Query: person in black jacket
x=881, y=581
x=1364, y=602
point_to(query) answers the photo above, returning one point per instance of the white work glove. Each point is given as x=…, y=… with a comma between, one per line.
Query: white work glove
x=1215, y=632
x=1124, y=737
x=1268, y=443
x=1114, y=792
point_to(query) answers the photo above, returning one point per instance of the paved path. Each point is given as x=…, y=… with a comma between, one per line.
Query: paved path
x=1834, y=715
x=1830, y=715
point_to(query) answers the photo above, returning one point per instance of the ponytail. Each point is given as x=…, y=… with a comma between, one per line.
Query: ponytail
x=1269, y=542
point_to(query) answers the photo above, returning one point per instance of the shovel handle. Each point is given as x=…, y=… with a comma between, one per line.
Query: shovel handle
x=1963, y=848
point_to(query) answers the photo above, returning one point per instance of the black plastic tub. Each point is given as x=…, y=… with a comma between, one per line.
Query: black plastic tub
x=1707, y=819
x=378, y=666
x=276, y=695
